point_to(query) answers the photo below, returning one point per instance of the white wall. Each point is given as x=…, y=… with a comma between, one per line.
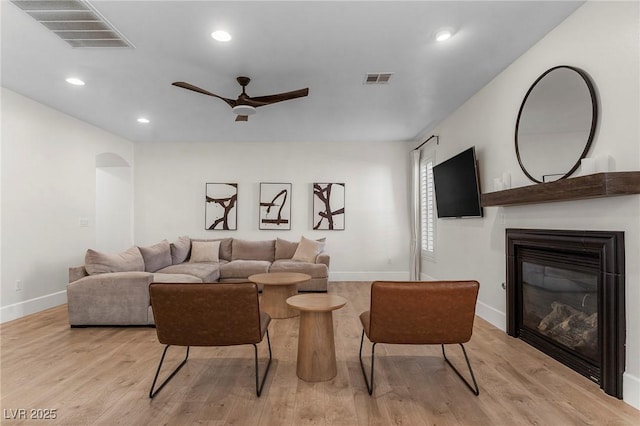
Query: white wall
x=170, y=182
x=603, y=38
x=114, y=209
x=48, y=185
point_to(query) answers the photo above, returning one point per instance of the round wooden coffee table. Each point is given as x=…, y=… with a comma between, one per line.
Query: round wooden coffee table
x=277, y=287
x=316, y=345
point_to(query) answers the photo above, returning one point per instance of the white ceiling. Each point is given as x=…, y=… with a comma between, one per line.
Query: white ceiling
x=327, y=46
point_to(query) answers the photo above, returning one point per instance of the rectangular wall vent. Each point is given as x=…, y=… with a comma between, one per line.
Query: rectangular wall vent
x=74, y=21
x=377, y=78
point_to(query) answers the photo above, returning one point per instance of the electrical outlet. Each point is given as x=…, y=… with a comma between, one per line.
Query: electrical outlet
x=18, y=285
x=83, y=222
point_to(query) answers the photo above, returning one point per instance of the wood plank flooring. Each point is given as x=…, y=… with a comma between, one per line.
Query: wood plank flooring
x=101, y=376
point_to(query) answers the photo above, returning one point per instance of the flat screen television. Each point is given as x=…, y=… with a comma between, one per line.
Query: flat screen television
x=457, y=187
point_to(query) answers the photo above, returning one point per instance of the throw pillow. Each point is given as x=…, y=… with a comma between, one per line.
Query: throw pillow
x=96, y=262
x=225, y=246
x=180, y=250
x=285, y=249
x=205, y=251
x=157, y=256
x=308, y=250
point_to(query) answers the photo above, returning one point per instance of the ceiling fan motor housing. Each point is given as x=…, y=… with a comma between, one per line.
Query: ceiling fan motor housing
x=243, y=81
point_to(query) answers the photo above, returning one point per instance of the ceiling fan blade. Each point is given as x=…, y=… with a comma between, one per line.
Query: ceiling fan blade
x=272, y=99
x=242, y=118
x=193, y=88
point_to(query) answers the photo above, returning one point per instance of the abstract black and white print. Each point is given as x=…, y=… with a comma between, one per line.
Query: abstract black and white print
x=275, y=206
x=221, y=206
x=328, y=206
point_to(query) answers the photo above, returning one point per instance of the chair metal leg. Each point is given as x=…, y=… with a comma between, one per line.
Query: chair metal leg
x=474, y=388
x=153, y=393
x=364, y=374
x=264, y=377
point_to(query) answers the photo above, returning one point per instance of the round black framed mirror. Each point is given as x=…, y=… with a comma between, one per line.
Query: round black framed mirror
x=556, y=124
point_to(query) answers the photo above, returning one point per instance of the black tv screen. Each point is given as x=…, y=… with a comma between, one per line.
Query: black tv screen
x=457, y=187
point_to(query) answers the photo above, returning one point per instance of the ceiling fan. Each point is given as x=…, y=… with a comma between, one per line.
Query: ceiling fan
x=245, y=105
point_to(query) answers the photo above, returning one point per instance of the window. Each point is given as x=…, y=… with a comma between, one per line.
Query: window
x=427, y=207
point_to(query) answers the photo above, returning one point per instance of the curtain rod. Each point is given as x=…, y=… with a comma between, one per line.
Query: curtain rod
x=430, y=137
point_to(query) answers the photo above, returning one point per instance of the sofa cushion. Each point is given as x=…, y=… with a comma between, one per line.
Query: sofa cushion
x=130, y=260
x=243, y=268
x=225, y=246
x=308, y=250
x=207, y=272
x=175, y=278
x=204, y=251
x=285, y=249
x=253, y=250
x=156, y=256
x=180, y=250
x=315, y=270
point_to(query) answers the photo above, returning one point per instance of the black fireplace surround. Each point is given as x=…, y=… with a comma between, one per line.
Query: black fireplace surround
x=565, y=297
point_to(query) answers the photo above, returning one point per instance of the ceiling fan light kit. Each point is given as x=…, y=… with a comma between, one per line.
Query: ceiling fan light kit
x=244, y=110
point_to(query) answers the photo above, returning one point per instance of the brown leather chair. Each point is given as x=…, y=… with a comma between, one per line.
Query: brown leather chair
x=208, y=315
x=420, y=313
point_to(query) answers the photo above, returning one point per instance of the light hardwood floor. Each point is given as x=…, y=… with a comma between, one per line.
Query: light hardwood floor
x=101, y=376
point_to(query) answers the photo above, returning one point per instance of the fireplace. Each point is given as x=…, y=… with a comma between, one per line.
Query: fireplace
x=565, y=297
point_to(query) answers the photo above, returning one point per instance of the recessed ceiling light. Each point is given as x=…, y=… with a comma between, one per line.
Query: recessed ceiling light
x=221, y=35
x=75, y=81
x=443, y=35
x=143, y=120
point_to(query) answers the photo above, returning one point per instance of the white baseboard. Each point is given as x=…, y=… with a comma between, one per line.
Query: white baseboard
x=492, y=315
x=631, y=390
x=368, y=276
x=32, y=306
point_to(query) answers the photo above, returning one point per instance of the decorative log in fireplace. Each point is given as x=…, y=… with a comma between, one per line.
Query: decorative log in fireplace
x=565, y=296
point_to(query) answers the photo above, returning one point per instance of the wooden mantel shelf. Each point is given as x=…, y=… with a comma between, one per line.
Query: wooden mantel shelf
x=590, y=186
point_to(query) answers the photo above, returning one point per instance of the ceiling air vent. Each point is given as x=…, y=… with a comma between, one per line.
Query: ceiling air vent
x=74, y=21
x=377, y=78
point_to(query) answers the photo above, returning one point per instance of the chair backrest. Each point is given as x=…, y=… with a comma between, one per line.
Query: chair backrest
x=426, y=312
x=206, y=314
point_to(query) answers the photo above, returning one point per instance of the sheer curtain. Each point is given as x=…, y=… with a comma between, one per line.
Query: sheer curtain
x=414, y=254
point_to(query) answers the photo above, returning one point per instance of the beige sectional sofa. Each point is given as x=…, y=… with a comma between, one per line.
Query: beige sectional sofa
x=113, y=289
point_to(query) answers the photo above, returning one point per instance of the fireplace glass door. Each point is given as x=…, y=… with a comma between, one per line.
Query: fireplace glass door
x=562, y=305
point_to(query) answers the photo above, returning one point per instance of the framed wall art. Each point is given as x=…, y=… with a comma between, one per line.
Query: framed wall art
x=275, y=206
x=328, y=206
x=221, y=206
